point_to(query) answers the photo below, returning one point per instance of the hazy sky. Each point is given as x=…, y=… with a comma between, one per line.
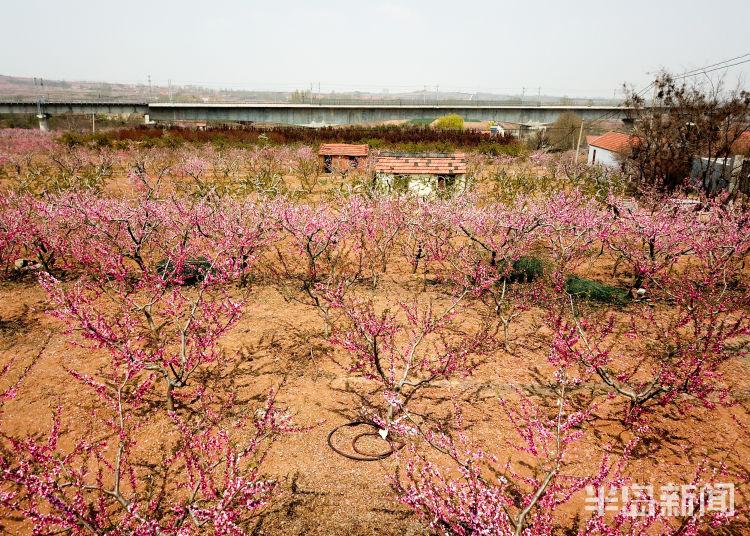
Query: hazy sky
x=567, y=47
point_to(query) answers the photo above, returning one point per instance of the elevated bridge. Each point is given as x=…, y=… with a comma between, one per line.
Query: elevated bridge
x=311, y=114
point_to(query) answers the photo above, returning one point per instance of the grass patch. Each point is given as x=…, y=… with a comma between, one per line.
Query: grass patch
x=592, y=290
x=421, y=122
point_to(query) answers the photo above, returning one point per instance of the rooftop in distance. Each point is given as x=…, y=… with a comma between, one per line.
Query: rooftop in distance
x=612, y=141
x=421, y=163
x=342, y=149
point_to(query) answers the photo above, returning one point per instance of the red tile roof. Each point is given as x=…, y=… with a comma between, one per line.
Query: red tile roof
x=421, y=163
x=590, y=139
x=613, y=141
x=742, y=143
x=342, y=149
x=617, y=141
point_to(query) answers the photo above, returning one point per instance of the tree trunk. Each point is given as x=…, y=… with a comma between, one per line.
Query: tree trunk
x=417, y=257
x=170, y=397
x=506, y=331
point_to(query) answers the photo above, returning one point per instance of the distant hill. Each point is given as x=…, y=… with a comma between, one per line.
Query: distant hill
x=15, y=87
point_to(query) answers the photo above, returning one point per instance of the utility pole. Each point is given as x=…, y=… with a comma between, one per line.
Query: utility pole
x=150, y=98
x=169, y=84
x=539, y=96
x=580, y=134
x=93, y=123
x=523, y=92
x=653, y=102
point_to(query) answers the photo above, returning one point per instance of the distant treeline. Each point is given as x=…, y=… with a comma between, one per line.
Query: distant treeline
x=406, y=137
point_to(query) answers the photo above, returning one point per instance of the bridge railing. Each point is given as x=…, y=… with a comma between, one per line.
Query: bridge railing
x=324, y=101
x=428, y=102
x=34, y=100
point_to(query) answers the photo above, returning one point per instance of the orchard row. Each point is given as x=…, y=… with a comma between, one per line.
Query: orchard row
x=156, y=280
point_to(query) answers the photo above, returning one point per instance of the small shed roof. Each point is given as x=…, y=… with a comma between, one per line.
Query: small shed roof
x=421, y=163
x=613, y=141
x=342, y=149
x=590, y=139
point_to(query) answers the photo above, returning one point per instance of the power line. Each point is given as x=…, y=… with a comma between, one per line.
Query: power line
x=701, y=69
x=706, y=71
x=687, y=74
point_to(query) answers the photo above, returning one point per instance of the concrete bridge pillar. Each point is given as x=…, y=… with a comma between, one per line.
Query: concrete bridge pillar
x=43, y=123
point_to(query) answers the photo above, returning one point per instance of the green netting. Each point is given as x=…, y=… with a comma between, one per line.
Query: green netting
x=524, y=269
x=593, y=290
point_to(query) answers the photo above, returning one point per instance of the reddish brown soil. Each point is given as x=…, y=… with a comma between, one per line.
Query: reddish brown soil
x=322, y=492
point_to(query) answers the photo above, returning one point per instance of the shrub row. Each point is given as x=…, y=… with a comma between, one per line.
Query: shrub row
x=388, y=135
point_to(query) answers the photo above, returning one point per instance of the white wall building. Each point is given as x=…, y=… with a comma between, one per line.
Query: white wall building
x=607, y=149
x=422, y=174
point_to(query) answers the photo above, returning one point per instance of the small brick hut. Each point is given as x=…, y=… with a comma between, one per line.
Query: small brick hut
x=341, y=154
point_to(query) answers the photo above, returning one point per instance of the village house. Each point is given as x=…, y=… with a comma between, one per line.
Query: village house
x=501, y=128
x=715, y=174
x=590, y=139
x=421, y=173
x=522, y=131
x=727, y=173
x=334, y=155
x=608, y=148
